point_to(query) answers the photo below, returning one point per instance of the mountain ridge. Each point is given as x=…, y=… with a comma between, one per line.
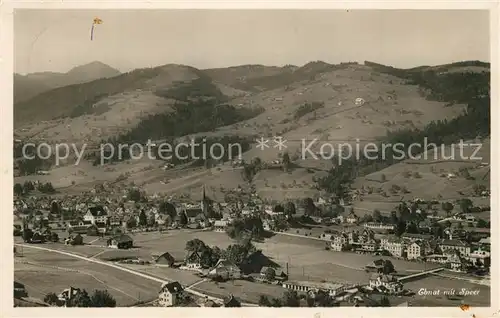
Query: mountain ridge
x=32, y=84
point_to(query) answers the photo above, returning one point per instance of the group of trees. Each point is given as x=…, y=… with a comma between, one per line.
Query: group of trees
x=291, y=298
x=27, y=187
x=194, y=116
x=236, y=253
x=251, y=169
x=307, y=108
x=242, y=228
x=100, y=298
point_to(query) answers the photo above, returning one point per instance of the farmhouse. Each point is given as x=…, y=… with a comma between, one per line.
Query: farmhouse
x=120, y=241
x=385, y=283
x=96, y=214
x=193, y=260
x=165, y=259
x=170, y=294
x=352, y=218
x=226, y=269
x=456, y=263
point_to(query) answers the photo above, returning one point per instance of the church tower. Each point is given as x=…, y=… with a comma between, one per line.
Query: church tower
x=204, y=201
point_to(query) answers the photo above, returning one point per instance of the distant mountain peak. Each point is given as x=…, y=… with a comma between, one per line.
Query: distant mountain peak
x=95, y=66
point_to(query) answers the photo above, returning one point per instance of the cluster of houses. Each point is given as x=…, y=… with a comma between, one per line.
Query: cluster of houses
x=420, y=247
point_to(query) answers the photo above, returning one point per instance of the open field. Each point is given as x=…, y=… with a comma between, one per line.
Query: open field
x=126, y=288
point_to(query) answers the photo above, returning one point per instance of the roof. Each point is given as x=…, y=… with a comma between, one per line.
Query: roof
x=485, y=240
x=123, y=238
x=325, y=286
x=419, y=236
x=264, y=269
x=167, y=256
x=97, y=211
x=454, y=243
x=230, y=300
x=226, y=263
x=173, y=287
x=18, y=285
x=190, y=254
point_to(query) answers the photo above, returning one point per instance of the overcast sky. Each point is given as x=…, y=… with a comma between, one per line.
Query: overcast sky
x=50, y=40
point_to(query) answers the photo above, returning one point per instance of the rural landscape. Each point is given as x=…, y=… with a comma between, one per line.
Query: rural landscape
x=274, y=226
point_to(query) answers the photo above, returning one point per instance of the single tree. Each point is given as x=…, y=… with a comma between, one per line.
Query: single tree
x=384, y=302
x=447, y=207
x=27, y=235
x=143, y=219
x=286, y=161
x=290, y=209
x=264, y=301
x=183, y=220
x=465, y=205
x=18, y=189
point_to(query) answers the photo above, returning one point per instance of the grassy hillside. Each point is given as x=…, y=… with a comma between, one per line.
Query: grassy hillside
x=313, y=101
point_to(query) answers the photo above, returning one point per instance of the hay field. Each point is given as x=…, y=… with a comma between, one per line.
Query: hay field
x=125, y=287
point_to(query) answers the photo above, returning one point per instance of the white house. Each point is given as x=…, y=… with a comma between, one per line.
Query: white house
x=170, y=294
x=415, y=250
x=96, y=214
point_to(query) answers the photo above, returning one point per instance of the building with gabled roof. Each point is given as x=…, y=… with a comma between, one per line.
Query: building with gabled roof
x=122, y=241
x=456, y=245
x=165, y=259
x=96, y=214
x=170, y=294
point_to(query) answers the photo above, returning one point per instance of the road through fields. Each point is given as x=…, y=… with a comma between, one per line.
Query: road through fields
x=129, y=271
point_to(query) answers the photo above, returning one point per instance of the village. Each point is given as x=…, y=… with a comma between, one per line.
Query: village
x=452, y=248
